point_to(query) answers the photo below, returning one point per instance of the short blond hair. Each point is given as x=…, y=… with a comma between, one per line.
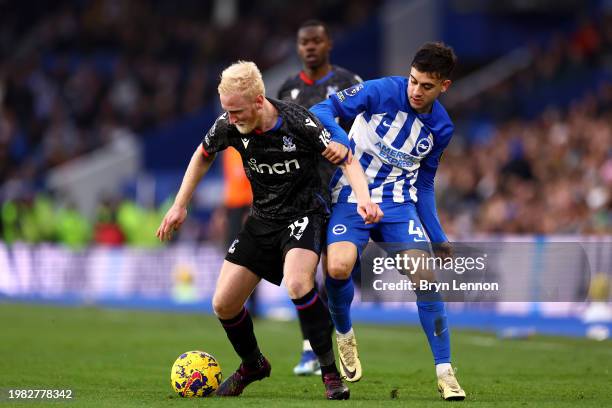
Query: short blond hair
x=242, y=78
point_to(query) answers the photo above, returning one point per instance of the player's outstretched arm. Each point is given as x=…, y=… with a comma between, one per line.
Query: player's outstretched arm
x=175, y=217
x=327, y=113
x=369, y=211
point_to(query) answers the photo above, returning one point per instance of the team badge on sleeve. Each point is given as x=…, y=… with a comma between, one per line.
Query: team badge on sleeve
x=352, y=91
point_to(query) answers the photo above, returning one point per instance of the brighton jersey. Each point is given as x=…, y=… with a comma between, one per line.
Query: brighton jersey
x=281, y=164
x=391, y=140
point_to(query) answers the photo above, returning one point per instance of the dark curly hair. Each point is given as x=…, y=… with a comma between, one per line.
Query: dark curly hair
x=436, y=58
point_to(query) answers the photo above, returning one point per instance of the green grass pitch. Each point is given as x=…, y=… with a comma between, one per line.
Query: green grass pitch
x=117, y=358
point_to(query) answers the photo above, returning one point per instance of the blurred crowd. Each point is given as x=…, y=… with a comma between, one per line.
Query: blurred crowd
x=76, y=73
x=73, y=73
x=559, y=71
x=38, y=218
x=549, y=175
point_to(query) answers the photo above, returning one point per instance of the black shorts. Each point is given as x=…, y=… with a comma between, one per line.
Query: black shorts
x=262, y=245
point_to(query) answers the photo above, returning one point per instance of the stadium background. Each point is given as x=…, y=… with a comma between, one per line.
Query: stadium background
x=102, y=103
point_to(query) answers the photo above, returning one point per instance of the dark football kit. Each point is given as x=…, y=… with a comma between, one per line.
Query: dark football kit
x=290, y=204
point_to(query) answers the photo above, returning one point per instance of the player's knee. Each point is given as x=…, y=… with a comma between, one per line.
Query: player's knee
x=224, y=309
x=338, y=268
x=297, y=288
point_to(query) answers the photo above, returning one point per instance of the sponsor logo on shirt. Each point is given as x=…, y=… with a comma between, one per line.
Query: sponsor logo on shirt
x=395, y=157
x=275, y=168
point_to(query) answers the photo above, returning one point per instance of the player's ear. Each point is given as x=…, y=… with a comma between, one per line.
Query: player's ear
x=259, y=101
x=445, y=84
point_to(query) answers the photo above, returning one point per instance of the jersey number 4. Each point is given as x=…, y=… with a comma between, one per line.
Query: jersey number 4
x=298, y=227
x=416, y=230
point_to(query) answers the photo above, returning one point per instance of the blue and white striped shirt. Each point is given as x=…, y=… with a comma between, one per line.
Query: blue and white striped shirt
x=398, y=148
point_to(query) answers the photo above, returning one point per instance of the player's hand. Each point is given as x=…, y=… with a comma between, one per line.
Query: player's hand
x=370, y=212
x=336, y=152
x=174, y=218
x=443, y=250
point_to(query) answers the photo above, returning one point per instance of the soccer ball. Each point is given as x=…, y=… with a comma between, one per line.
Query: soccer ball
x=195, y=374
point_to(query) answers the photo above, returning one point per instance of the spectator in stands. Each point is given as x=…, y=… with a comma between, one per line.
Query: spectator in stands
x=106, y=229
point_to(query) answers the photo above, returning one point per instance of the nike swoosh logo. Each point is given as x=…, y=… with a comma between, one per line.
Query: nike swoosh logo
x=437, y=334
x=349, y=374
x=386, y=124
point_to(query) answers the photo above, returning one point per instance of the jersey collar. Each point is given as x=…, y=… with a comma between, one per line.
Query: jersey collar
x=308, y=81
x=277, y=125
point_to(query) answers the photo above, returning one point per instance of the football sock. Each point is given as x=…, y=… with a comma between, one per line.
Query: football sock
x=433, y=320
x=317, y=326
x=330, y=368
x=340, y=294
x=349, y=333
x=323, y=296
x=442, y=368
x=304, y=337
x=239, y=330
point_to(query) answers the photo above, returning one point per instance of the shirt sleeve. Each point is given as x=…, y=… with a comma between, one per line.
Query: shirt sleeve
x=426, y=197
x=361, y=97
x=326, y=112
x=317, y=134
x=346, y=105
x=216, y=139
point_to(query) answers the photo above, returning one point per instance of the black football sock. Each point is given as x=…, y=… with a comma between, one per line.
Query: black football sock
x=331, y=368
x=303, y=329
x=314, y=318
x=323, y=296
x=239, y=330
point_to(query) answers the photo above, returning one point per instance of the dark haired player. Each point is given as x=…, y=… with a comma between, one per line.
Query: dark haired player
x=280, y=144
x=317, y=80
x=399, y=133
